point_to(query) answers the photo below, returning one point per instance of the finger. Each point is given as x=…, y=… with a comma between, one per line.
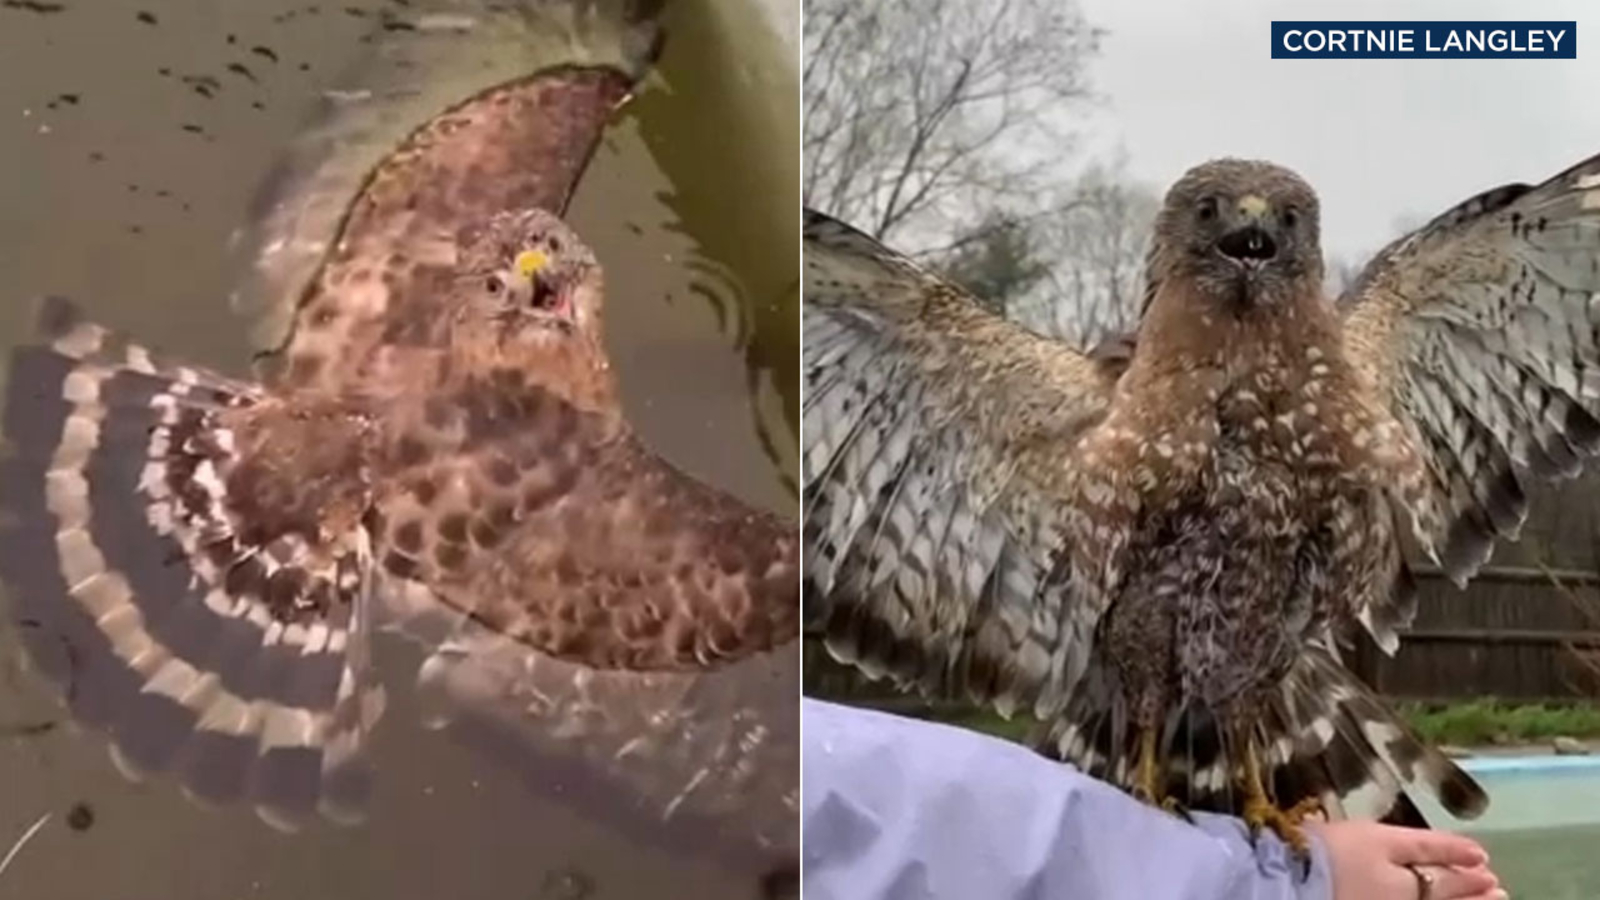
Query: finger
x=1496, y=894
x=1418, y=847
x=1453, y=884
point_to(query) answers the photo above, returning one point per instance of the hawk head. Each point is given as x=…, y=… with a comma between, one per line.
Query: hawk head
x=529, y=300
x=534, y=276
x=1242, y=231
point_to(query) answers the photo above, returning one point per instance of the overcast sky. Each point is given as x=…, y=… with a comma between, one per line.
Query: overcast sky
x=1183, y=82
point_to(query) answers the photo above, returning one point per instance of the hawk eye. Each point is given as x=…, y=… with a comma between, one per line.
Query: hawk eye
x=495, y=285
x=1291, y=218
x=1208, y=209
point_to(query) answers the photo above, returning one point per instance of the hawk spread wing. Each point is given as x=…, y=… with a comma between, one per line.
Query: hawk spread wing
x=516, y=94
x=633, y=632
x=558, y=528
x=934, y=432
x=240, y=666
x=1481, y=329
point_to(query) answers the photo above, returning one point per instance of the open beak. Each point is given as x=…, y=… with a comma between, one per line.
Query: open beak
x=547, y=291
x=1253, y=239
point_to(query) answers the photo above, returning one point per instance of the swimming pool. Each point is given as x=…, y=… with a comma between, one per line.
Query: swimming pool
x=1542, y=828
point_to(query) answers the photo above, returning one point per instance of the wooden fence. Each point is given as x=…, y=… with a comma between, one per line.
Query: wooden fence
x=1516, y=633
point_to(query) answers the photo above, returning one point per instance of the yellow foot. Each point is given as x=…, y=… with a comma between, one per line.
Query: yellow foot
x=1288, y=825
x=1147, y=783
x=1305, y=809
x=1159, y=800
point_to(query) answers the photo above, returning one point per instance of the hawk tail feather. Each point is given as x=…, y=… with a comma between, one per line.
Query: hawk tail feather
x=133, y=593
x=1323, y=735
x=1334, y=739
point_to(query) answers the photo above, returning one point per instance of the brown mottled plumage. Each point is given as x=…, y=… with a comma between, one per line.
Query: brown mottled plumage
x=486, y=466
x=515, y=146
x=200, y=561
x=1158, y=547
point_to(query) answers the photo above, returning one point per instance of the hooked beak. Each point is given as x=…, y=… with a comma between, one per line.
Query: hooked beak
x=547, y=292
x=1253, y=239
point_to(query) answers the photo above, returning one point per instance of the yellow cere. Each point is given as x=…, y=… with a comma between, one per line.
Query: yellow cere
x=529, y=262
x=1253, y=205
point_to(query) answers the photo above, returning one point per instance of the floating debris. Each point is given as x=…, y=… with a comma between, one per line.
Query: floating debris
x=148, y=18
x=29, y=729
x=33, y=6
x=264, y=52
x=240, y=69
x=80, y=817
x=204, y=85
x=566, y=884
x=342, y=97
x=446, y=22
x=193, y=129
x=26, y=837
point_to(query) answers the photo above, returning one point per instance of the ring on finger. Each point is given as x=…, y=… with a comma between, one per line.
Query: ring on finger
x=1424, y=882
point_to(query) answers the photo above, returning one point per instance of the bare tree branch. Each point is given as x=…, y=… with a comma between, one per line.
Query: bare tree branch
x=1096, y=249
x=924, y=115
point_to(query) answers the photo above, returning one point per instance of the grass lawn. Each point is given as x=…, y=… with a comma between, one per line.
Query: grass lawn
x=1487, y=721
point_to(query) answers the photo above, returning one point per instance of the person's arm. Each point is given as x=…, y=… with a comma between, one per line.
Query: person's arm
x=900, y=808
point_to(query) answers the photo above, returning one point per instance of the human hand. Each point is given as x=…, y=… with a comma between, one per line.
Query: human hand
x=1372, y=862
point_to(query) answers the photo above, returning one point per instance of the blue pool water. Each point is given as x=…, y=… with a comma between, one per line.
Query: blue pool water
x=1542, y=828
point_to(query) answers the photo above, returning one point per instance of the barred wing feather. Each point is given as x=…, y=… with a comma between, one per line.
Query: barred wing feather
x=934, y=434
x=1482, y=329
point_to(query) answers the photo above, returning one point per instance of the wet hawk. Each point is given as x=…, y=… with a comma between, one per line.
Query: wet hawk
x=1159, y=557
x=437, y=448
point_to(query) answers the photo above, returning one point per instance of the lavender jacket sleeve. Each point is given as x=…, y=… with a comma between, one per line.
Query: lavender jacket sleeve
x=900, y=808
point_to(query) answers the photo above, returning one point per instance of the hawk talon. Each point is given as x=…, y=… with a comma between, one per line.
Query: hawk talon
x=1174, y=806
x=1305, y=809
x=1148, y=785
x=1262, y=814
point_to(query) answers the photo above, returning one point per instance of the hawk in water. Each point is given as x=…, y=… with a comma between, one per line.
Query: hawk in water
x=1159, y=557
x=438, y=448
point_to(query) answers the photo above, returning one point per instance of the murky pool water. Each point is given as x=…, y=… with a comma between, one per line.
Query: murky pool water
x=131, y=151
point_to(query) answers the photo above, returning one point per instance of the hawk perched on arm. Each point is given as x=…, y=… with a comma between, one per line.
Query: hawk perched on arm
x=1159, y=558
